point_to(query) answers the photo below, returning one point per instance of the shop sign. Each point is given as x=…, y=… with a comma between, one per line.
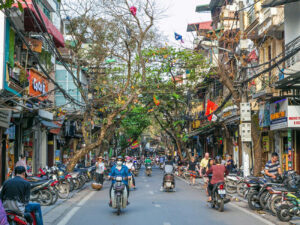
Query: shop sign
x=5, y=116
x=264, y=115
x=278, y=114
x=38, y=85
x=35, y=45
x=284, y=115
x=226, y=114
x=266, y=143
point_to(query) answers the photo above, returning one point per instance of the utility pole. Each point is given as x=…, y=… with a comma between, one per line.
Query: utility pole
x=245, y=108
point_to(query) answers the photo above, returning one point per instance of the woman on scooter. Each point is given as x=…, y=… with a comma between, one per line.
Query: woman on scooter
x=218, y=171
x=210, y=163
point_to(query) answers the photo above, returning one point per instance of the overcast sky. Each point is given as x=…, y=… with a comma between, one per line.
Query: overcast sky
x=179, y=13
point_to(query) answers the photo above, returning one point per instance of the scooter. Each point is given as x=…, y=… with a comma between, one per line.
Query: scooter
x=219, y=197
x=119, y=195
x=169, y=182
x=14, y=218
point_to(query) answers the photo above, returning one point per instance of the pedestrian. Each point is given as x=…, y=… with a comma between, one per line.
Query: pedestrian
x=192, y=166
x=229, y=163
x=22, y=162
x=100, y=167
x=203, y=164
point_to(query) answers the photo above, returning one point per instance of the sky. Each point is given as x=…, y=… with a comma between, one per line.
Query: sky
x=178, y=14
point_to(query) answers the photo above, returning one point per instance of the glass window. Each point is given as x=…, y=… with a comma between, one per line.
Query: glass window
x=61, y=75
x=60, y=100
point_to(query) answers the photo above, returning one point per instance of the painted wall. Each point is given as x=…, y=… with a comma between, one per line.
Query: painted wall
x=292, y=18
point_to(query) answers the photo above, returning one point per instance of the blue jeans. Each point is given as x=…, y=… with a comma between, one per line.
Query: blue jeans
x=36, y=208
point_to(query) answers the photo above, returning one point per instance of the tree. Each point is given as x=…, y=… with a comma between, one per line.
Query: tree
x=116, y=39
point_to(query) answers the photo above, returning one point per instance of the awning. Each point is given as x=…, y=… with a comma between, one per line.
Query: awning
x=30, y=25
x=57, y=130
x=273, y=3
x=290, y=82
x=50, y=125
x=199, y=26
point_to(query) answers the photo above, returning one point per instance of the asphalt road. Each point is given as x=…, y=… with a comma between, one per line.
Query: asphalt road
x=148, y=206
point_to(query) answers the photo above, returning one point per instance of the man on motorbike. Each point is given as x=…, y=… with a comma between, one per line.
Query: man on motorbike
x=168, y=168
x=131, y=168
x=119, y=170
x=272, y=168
x=218, y=171
x=15, y=196
x=148, y=161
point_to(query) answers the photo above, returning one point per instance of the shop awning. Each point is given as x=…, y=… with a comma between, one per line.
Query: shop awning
x=273, y=3
x=50, y=125
x=30, y=24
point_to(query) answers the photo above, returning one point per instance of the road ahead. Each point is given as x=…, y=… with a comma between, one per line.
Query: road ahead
x=148, y=206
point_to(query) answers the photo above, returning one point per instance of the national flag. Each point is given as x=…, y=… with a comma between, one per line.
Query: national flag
x=155, y=99
x=133, y=10
x=210, y=108
x=178, y=37
x=135, y=144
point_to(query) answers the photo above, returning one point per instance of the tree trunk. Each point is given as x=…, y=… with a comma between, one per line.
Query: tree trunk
x=257, y=148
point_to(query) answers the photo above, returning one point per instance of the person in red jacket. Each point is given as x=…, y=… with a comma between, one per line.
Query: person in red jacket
x=218, y=172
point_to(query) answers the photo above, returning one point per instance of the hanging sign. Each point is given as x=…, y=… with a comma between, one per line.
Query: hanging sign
x=38, y=85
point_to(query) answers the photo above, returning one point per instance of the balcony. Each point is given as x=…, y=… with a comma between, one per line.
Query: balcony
x=270, y=19
x=293, y=63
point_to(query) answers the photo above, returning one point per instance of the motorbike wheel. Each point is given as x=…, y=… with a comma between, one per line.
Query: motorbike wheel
x=283, y=213
x=230, y=187
x=241, y=188
x=221, y=204
x=118, y=205
x=253, y=202
x=45, y=197
x=263, y=200
x=71, y=183
x=81, y=182
x=63, y=190
x=275, y=204
x=76, y=183
x=55, y=197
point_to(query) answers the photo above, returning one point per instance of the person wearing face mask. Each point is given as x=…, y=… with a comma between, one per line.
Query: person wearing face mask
x=131, y=168
x=119, y=170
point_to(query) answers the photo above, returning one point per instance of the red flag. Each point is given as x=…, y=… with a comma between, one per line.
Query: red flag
x=133, y=10
x=210, y=108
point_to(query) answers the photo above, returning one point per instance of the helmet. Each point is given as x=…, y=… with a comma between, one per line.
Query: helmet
x=60, y=173
x=119, y=158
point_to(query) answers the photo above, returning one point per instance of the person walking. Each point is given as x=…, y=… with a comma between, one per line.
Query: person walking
x=22, y=162
x=203, y=164
x=192, y=166
x=100, y=167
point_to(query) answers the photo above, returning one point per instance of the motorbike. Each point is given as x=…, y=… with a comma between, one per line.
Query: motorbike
x=119, y=195
x=161, y=166
x=40, y=193
x=252, y=190
x=231, y=183
x=14, y=218
x=290, y=208
x=148, y=170
x=219, y=197
x=169, y=182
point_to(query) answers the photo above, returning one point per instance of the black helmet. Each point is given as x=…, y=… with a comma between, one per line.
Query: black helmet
x=20, y=170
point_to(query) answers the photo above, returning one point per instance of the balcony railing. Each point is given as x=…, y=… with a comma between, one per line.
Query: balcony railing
x=290, y=47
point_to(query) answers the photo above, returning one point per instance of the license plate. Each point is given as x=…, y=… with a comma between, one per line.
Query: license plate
x=222, y=192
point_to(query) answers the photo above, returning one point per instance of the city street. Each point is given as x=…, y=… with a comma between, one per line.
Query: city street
x=148, y=205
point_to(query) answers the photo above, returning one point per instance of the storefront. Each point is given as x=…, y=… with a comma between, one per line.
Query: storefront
x=285, y=121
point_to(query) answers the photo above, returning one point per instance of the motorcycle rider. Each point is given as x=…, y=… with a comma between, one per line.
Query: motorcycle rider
x=131, y=168
x=148, y=161
x=272, y=168
x=168, y=169
x=119, y=170
x=15, y=196
x=218, y=170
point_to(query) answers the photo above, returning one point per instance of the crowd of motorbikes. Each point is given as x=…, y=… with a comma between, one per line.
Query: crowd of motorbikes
x=279, y=196
x=53, y=183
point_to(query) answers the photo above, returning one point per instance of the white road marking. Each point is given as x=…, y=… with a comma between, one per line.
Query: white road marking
x=147, y=185
x=70, y=214
x=265, y=221
x=166, y=223
x=157, y=205
x=151, y=192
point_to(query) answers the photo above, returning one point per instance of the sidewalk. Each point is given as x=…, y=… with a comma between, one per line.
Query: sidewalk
x=242, y=203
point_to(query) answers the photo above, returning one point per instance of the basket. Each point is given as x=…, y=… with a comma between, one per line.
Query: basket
x=97, y=186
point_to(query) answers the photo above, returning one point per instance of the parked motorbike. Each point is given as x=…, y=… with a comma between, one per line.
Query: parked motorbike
x=119, y=194
x=253, y=187
x=148, y=170
x=40, y=193
x=231, y=183
x=219, y=197
x=290, y=208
